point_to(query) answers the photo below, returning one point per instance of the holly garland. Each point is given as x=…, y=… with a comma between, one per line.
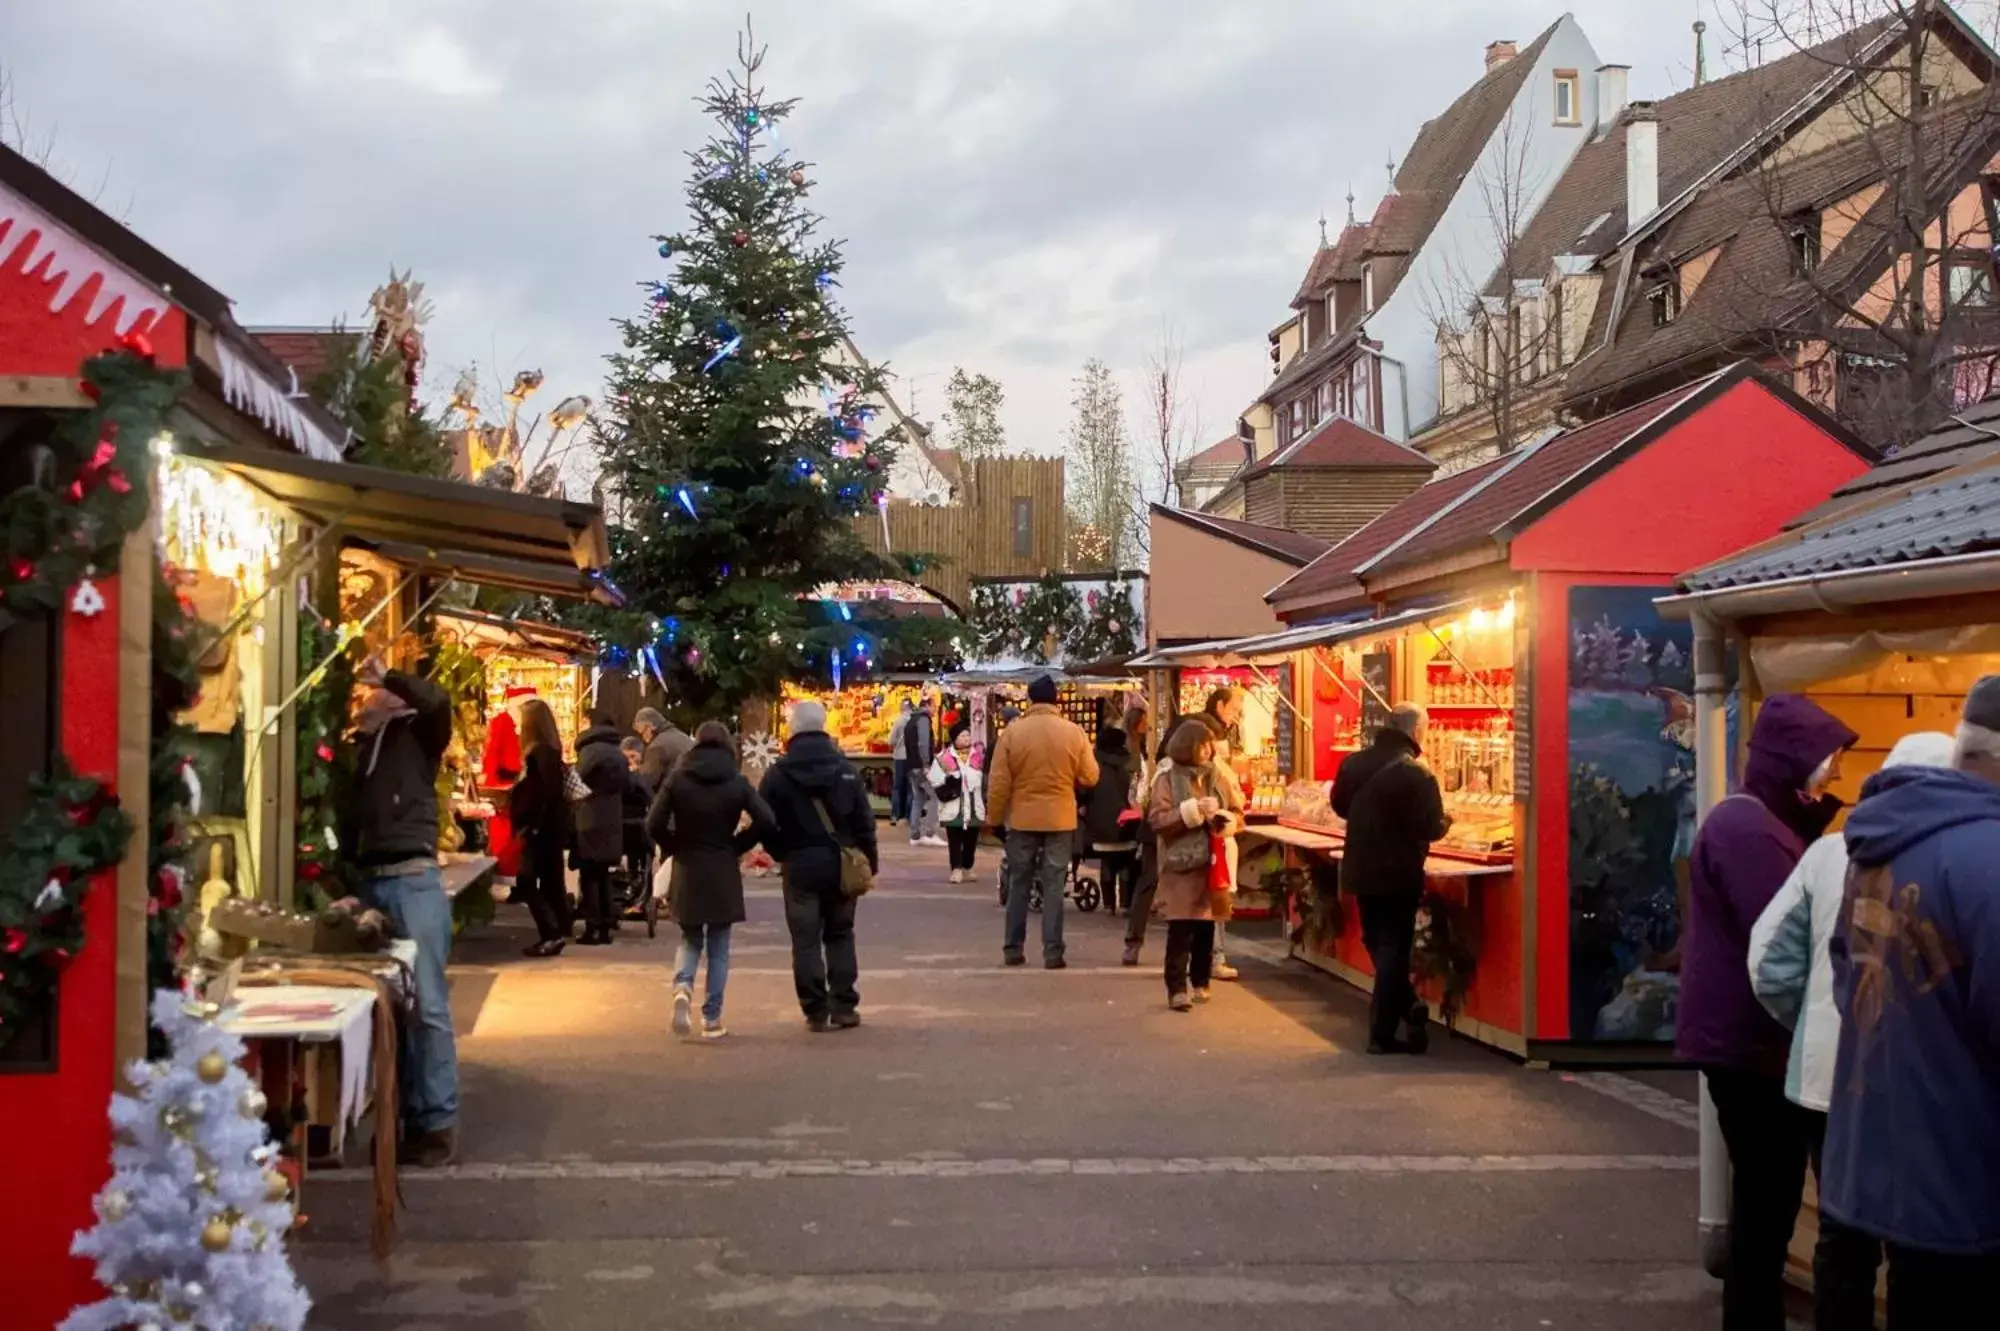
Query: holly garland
x=91, y=489
x=325, y=765
x=73, y=829
x=94, y=489
x=176, y=685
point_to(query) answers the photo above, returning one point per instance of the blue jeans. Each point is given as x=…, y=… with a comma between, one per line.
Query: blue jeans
x=1029, y=854
x=427, y=1062
x=714, y=940
x=899, y=789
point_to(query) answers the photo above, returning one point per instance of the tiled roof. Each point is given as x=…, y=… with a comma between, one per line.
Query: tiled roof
x=306, y=351
x=1293, y=547
x=1343, y=443
x=1225, y=454
x=1956, y=513
x=1750, y=292
x=1338, y=262
x=1444, y=153
x=1530, y=476
x=1331, y=576
x=1699, y=129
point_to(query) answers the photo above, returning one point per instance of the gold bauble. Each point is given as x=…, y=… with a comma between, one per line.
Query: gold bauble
x=276, y=1188
x=216, y=1235
x=211, y=1067
x=115, y=1205
x=253, y=1104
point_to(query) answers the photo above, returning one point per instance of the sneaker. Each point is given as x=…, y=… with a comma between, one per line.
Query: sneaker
x=818, y=1024
x=1131, y=957
x=428, y=1150
x=1054, y=964
x=683, y=1011
x=1013, y=959
x=845, y=1021
x=1222, y=970
x=1201, y=994
x=1180, y=1002
x=957, y=875
x=937, y=841
x=713, y=1030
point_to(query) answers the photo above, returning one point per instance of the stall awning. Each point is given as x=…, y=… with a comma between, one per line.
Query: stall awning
x=1270, y=647
x=548, y=546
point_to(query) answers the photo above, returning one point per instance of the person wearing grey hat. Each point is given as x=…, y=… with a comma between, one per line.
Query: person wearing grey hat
x=666, y=745
x=1911, y=1156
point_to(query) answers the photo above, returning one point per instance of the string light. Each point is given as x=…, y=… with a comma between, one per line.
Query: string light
x=215, y=522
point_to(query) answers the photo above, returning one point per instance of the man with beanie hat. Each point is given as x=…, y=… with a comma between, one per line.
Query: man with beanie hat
x=666, y=745
x=1040, y=764
x=819, y=805
x=1911, y=1154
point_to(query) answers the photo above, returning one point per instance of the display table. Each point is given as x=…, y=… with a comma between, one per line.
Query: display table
x=468, y=884
x=326, y=1033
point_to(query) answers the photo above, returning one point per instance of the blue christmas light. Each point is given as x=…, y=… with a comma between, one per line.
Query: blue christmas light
x=729, y=348
x=687, y=501
x=845, y=613
x=824, y=280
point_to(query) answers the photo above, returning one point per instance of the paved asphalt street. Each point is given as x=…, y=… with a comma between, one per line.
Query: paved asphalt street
x=1007, y=1149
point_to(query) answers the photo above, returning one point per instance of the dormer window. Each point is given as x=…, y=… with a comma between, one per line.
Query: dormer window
x=1665, y=299
x=1802, y=236
x=1368, y=287
x=1332, y=315
x=1569, y=107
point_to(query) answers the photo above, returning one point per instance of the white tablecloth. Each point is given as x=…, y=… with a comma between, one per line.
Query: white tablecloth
x=311, y=1014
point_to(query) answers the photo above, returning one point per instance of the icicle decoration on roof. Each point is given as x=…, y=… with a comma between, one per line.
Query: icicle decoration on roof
x=248, y=389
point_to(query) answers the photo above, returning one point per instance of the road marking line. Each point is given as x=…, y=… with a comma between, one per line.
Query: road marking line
x=1650, y=1100
x=668, y=1171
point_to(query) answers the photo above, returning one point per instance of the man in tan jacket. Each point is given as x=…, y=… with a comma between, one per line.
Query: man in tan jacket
x=1040, y=764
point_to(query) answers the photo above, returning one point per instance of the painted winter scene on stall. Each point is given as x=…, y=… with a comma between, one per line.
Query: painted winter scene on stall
x=1631, y=787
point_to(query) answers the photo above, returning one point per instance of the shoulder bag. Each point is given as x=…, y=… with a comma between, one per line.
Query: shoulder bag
x=856, y=878
x=1191, y=849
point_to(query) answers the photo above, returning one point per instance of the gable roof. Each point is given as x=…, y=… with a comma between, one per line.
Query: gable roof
x=1342, y=443
x=306, y=352
x=251, y=380
x=1954, y=513
x=1294, y=548
x=1224, y=455
x=1331, y=577
x=1442, y=156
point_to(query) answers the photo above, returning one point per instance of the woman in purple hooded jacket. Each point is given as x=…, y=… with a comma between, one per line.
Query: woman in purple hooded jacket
x=1745, y=850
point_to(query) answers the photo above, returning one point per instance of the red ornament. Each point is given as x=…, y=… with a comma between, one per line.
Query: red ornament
x=116, y=480
x=872, y=462
x=324, y=752
x=75, y=492
x=138, y=344
x=739, y=239
x=88, y=389
x=16, y=940
x=22, y=569
x=311, y=871
x=106, y=454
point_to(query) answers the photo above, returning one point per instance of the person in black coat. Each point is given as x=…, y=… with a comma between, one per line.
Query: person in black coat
x=1114, y=843
x=539, y=810
x=696, y=818
x=819, y=804
x=600, y=825
x=1393, y=811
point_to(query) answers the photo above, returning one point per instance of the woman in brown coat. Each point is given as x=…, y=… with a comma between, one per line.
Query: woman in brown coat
x=1184, y=807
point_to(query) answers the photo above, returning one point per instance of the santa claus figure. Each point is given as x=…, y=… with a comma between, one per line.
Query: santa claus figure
x=499, y=768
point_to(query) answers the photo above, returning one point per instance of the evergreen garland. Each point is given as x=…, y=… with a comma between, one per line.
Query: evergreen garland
x=325, y=765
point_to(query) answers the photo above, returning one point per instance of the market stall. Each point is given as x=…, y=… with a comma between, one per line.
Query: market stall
x=859, y=716
x=1514, y=602
x=1882, y=608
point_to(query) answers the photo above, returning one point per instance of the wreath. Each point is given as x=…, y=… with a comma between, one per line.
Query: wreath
x=91, y=487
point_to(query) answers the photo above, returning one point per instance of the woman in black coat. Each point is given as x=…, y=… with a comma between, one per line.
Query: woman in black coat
x=695, y=818
x=600, y=825
x=1115, y=844
x=539, y=811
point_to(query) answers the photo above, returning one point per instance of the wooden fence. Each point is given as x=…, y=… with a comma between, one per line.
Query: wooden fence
x=1007, y=521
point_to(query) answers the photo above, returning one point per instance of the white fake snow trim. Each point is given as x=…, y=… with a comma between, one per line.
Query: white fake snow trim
x=67, y=263
x=246, y=387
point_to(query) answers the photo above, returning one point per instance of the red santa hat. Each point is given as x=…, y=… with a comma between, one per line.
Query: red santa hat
x=518, y=691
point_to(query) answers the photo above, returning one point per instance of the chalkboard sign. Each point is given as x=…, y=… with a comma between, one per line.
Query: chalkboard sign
x=1524, y=748
x=1286, y=722
x=1375, y=670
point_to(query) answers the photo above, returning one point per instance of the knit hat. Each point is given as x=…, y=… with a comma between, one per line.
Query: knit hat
x=1043, y=689
x=808, y=717
x=1982, y=705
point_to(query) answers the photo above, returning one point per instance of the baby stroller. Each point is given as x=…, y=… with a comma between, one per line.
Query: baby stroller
x=1078, y=886
x=632, y=895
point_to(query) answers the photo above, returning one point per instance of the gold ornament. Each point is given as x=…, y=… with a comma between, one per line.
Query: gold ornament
x=211, y=1067
x=276, y=1188
x=115, y=1205
x=254, y=1103
x=216, y=1235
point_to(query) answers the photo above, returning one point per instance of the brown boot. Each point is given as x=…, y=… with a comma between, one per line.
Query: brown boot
x=428, y=1150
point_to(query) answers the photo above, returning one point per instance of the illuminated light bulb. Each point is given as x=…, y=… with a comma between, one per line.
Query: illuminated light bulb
x=1479, y=619
x=1507, y=614
x=163, y=445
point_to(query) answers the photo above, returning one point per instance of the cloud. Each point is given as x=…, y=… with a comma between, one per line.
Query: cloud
x=1020, y=183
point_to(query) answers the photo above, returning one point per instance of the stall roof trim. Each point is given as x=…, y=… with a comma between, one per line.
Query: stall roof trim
x=551, y=546
x=1273, y=646
x=1957, y=513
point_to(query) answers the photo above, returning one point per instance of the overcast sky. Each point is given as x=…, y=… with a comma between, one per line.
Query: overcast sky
x=1021, y=183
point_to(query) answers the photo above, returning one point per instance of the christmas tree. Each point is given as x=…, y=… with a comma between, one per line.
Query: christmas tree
x=191, y=1226
x=735, y=447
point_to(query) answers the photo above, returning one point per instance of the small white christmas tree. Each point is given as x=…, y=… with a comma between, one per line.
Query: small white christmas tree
x=191, y=1226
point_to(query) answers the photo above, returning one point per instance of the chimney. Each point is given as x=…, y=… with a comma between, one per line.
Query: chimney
x=1611, y=93
x=1642, y=164
x=1499, y=53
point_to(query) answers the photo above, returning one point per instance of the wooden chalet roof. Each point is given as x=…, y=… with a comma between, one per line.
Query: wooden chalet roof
x=1295, y=548
x=1342, y=443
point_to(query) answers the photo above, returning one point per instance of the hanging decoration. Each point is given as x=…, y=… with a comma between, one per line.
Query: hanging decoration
x=72, y=830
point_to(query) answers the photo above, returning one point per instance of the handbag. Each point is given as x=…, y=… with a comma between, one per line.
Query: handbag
x=573, y=787
x=1194, y=848
x=856, y=878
